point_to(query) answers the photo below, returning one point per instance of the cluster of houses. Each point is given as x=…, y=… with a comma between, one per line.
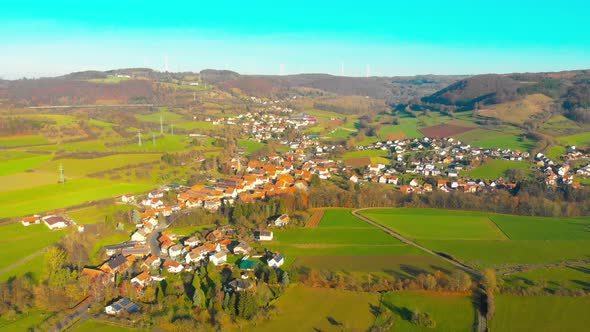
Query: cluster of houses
x=561, y=172
x=52, y=221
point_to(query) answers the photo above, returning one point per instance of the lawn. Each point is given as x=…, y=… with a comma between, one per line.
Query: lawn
x=35, y=267
x=190, y=230
x=340, y=134
x=18, y=241
x=316, y=309
x=54, y=196
x=17, y=165
x=555, y=151
x=541, y=313
x=92, y=325
x=451, y=312
x=12, y=141
x=496, y=168
x=421, y=224
x=568, y=277
x=96, y=214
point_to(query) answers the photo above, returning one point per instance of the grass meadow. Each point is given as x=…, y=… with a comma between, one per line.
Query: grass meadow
x=18, y=241
x=496, y=168
x=451, y=312
x=541, y=313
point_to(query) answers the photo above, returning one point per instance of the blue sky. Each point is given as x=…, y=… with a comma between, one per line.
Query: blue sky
x=39, y=38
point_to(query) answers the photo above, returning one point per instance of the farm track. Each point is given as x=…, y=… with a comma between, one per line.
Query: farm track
x=412, y=243
x=315, y=219
x=23, y=260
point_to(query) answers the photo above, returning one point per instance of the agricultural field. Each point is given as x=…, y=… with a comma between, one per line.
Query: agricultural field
x=22, y=140
x=15, y=162
x=491, y=240
x=54, y=196
x=322, y=310
x=83, y=167
x=519, y=111
x=24, y=322
x=552, y=279
x=444, y=130
x=541, y=313
x=18, y=241
x=451, y=312
x=250, y=146
x=343, y=242
x=579, y=140
x=365, y=153
x=486, y=138
x=496, y=168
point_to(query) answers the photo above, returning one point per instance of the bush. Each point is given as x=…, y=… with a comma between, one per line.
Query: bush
x=423, y=319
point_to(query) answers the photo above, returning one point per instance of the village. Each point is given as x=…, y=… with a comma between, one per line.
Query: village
x=152, y=252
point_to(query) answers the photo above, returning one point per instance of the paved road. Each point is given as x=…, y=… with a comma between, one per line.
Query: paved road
x=23, y=260
x=78, y=311
x=412, y=243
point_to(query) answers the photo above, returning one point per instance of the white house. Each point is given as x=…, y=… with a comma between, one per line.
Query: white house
x=140, y=235
x=176, y=250
x=276, y=261
x=196, y=254
x=35, y=219
x=156, y=194
x=264, y=236
x=128, y=198
x=282, y=220
x=192, y=241
x=55, y=222
x=173, y=267
x=152, y=203
x=121, y=305
x=219, y=258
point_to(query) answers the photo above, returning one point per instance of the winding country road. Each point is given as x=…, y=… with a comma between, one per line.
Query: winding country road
x=412, y=243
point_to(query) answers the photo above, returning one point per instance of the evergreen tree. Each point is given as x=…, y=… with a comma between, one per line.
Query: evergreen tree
x=285, y=279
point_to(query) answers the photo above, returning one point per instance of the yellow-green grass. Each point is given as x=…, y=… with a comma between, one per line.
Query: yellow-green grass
x=35, y=267
x=166, y=144
x=309, y=309
x=195, y=125
x=579, y=140
x=365, y=153
x=341, y=218
x=380, y=160
x=340, y=134
x=92, y=325
x=496, y=168
x=54, y=196
x=17, y=165
x=95, y=214
x=18, y=241
x=399, y=266
x=24, y=322
x=407, y=125
x=250, y=146
x=25, y=180
x=444, y=225
x=451, y=312
x=486, y=138
x=190, y=230
x=541, y=313
x=555, y=151
x=167, y=117
x=81, y=146
x=109, y=80
x=519, y=111
x=82, y=167
x=568, y=277
x=498, y=254
x=542, y=228
x=13, y=141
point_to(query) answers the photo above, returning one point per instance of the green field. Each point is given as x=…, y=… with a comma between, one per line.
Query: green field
x=579, y=140
x=445, y=225
x=92, y=325
x=12, y=141
x=496, y=168
x=53, y=196
x=490, y=240
x=13, y=164
x=96, y=214
x=82, y=167
x=555, y=152
x=365, y=153
x=190, y=230
x=541, y=313
x=310, y=309
x=35, y=267
x=341, y=218
x=18, y=241
x=451, y=312
x=167, y=143
x=24, y=322
x=250, y=146
x=567, y=277
x=486, y=138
